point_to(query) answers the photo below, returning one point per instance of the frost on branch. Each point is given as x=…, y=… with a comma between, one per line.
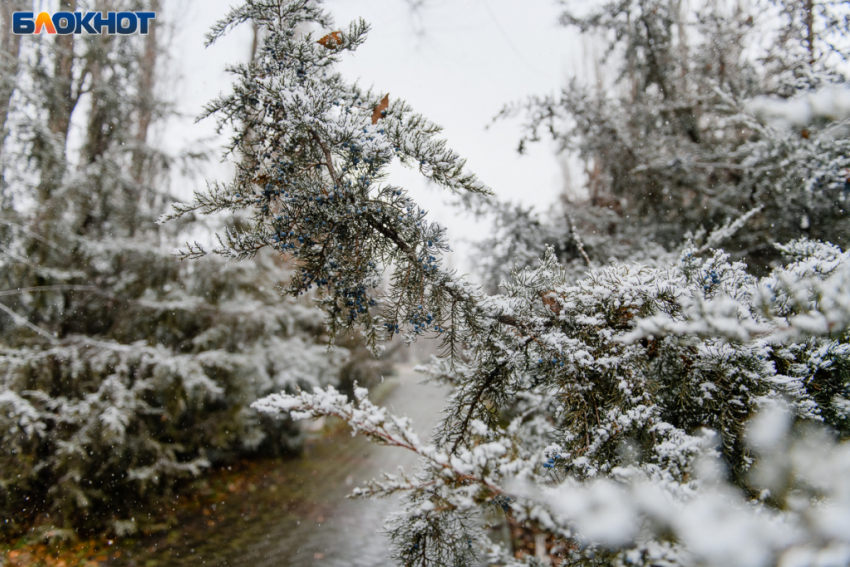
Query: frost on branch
x=313, y=174
x=439, y=524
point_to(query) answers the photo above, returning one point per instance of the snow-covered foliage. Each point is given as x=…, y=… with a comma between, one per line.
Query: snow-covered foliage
x=123, y=370
x=614, y=416
x=313, y=169
x=611, y=416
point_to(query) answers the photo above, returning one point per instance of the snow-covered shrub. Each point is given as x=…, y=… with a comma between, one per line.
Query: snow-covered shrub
x=96, y=425
x=595, y=411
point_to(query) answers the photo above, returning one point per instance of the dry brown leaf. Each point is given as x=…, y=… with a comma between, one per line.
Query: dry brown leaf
x=332, y=40
x=379, y=111
x=550, y=300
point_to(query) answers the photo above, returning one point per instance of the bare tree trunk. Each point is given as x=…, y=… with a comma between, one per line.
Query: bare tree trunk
x=10, y=48
x=255, y=42
x=60, y=105
x=146, y=102
x=247, y=132
x=810, y=29
x=96, y=138
x=63, y=100
x=684, y=51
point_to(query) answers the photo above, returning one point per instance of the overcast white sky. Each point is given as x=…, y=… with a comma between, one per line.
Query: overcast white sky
x=456, y=61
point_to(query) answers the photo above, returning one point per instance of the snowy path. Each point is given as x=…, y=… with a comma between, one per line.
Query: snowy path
x=319, y=527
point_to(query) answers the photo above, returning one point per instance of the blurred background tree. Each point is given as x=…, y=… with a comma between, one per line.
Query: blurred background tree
x=668, y=140
x=124, y=370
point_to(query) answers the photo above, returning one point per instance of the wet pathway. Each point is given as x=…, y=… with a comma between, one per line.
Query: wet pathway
x=304, y=518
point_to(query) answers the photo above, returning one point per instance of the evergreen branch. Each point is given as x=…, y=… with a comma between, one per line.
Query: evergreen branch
x=485, y=385
x=727, y=230
x=375, y=423
x=191, y=252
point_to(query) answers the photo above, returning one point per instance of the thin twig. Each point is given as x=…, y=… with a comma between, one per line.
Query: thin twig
x=23, y=321
x=31, y=233
x=484, y=386
x=46, y=288
x=577, y=239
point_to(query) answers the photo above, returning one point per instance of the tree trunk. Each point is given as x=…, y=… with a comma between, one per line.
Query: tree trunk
x=10, y=47
x=146, y=102
x=810, y=29
x=60, y=104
